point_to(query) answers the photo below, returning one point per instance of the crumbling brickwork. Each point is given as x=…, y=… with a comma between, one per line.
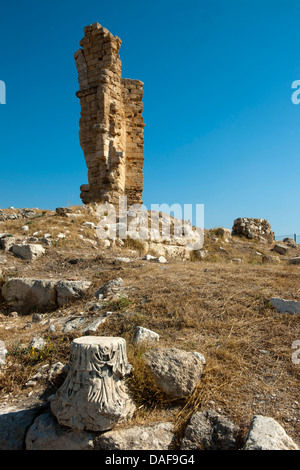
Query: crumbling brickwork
x=111, y=123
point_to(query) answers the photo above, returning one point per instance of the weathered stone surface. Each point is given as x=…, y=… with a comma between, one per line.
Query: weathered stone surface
x=224, y=232
x=281, y=249
x=26, y=294
x=144, y=337
x=270, y=259
x=210, y=430
x=285, y=306
x=93, y=396
x=73, y=324
x=253, y=229
x=155, y=437
x=112, y=287
x=46, y=434
x=7, y=242
x=295, y=260
x=70, y=290
x=3, y=352
x=94, y=325
x=175, y=371
x=14, y=422
x=267, y=434
x=63, y=211
x=111, y=123
x=38, y=342
x=28, y=252
x=290, y=242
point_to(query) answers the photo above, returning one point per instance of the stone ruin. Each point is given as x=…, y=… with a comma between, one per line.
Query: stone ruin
x=259, y=229
x=94, y=396
x=111, y=123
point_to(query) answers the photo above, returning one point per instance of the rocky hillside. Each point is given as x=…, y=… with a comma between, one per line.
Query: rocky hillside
x=212, y=334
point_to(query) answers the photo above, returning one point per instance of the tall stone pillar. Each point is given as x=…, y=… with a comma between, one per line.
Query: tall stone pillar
x=111, y=123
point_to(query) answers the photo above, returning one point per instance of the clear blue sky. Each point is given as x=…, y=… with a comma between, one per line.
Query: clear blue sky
x=221, y=129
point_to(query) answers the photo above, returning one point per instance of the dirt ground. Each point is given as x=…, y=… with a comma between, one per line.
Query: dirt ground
x=215, y=306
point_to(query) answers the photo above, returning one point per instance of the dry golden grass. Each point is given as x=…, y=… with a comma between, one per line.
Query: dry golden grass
x=213, y=306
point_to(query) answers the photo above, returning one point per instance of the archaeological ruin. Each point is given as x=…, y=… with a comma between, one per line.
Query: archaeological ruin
x=111, y=123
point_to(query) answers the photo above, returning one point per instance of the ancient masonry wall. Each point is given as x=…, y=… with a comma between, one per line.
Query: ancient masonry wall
x=111, y=123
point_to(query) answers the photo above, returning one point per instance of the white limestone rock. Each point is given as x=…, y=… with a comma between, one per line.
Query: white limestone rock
x=25, y=294
x=267, y=434
x=112, y=287
x=70, y=290
x=155, y=437
x=94, y=397
x=28, y=252
x=175, y=371
x=3, y=352
x=144, y=337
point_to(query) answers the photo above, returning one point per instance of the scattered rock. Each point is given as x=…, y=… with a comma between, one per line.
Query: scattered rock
x=267, y=434
x=3, y=352
x=89, y=225
x=270, y=259
x=93, y=327
x=14, y=423
x=70, y=290
x=281, y=249
x=150, y=258
x=27, y=294
x=56, y=369
x=63, y=211
x=110, y=288
x=295, y=260
x=175, y=371
x=145, y=337
x=13, y=314
x=51, y=328
x=7, y=242
x=199, y=254
x=38, y=343
x=210, y=430
x=28, y=252
x=74, y=324
x=155, y=437
x=224, y=232
x=46, y=434
x=37, y=318
x=123, y=260
x=285, y=306
x=290, y=242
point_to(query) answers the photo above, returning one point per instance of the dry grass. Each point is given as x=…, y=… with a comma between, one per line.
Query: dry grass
x=212, y=306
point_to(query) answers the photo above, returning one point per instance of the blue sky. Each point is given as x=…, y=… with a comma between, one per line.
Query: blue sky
x=221, y=128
